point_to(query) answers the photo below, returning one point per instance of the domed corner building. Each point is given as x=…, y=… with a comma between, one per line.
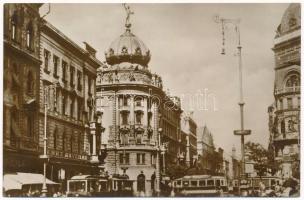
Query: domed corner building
x=130, y=100
x=284, y=113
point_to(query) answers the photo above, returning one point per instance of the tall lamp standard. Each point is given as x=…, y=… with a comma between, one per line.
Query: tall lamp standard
x=242, y=132
x=45, y=157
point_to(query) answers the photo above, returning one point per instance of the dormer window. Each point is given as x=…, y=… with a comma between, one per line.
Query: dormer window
x=124, y=50
x=111, y=51
x=138, y=51
x=292, y=22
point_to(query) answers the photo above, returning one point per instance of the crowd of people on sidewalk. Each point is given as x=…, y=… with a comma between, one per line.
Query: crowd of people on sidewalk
x=278, y=190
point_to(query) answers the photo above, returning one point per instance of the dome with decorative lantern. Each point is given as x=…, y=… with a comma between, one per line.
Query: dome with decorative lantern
x=291, y=20
x=128, y=48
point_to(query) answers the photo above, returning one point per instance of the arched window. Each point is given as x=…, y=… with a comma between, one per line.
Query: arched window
x=141, y=180
x=30, y=83
x=14, y=23
x=29, y=35
x=293, y=81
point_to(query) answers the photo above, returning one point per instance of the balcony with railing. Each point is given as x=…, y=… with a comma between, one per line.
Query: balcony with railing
x=286, y=136
x=286, y=90
x=127, y=76
x=135, y=137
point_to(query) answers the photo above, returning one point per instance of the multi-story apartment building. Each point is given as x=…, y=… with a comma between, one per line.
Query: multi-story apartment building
x=284, y=114
x=171, y=124
x=21, y=88
x=67, y=88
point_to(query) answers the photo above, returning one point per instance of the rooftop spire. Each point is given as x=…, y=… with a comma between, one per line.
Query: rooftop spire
x=128, y=12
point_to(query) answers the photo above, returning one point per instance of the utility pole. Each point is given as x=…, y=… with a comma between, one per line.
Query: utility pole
x=242, y=132
x=45, y=156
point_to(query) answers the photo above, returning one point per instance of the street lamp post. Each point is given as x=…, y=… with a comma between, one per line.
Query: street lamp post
x=45, y=156
x=242, y=132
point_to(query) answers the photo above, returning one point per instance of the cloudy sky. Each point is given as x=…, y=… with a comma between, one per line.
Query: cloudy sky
x=185, y=44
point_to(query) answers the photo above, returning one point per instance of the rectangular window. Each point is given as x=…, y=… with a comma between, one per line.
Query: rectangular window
x=72, y=76
x=121, y=158
x=125, y=118
x=125, y=101
x=210, y=182
x=46, y=60
x=56, y=62
x=64, y=68
x=140, y=158
x=72, y=108
x=202, y=183
x=89, y=86
x=149, y=119
x=79, y=78
x=138, y=117
x=152, y=159
x=289, y=103
x=281, y=104
x=63, y=104
x=56, y=100
x=193, y=183
x=143, y=158
x=299, y=102
x=79, y=111
x=138, y=102
x=138, y=138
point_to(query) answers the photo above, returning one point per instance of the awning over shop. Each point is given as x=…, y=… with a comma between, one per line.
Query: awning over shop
x=17, y=180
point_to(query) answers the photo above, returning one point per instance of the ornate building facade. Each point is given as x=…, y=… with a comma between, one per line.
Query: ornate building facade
x=21, y=88
x=138, y=116
x=284, y=114
x=205, y=149
x=67, y=88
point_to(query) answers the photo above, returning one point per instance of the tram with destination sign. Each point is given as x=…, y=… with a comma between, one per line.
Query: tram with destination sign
x=99, y=186
x=200, y=185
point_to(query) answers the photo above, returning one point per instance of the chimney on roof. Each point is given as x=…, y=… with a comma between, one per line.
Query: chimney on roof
x=90, y=49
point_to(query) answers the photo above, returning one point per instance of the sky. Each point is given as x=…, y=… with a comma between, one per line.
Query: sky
x=185, y=44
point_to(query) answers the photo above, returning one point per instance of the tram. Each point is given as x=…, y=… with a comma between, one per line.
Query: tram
x=253, y=183
x=99, y=186
x=200, y=185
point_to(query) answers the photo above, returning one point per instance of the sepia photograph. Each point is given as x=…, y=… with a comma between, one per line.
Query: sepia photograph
x=146, y=99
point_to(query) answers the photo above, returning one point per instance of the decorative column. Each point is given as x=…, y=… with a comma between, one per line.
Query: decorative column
x=157, y=145
x=94, y=157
